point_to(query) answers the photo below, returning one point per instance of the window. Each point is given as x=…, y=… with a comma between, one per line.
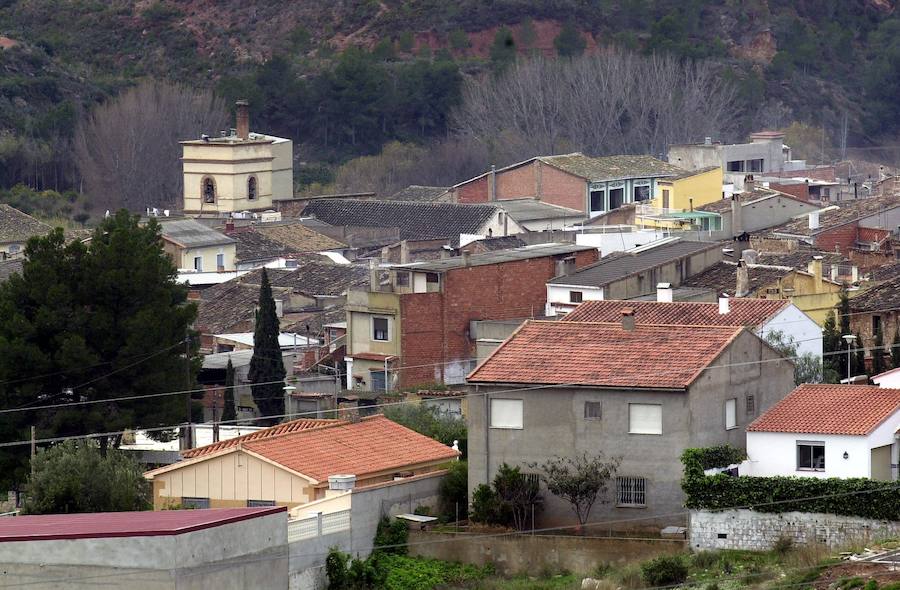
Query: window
x=575, y=296
x=644, y=419
x=811, y=456
x=735, y=166
x=507, y=413
x=432, y=277
x=220, y=261
x=598, y=201
x=755, y=165
x=592, y=411
x=209, y=190
x=641, y=191
x=876, y=324
x=631, y=491
x=251, y=188
x=730, y=413
x=291, y=263
x=380, y=329
x=259, y=503
x=198, y=263
x=403, y=279
x=195, y=503
x=665, y=195
x=616, y=198
x=751, y=405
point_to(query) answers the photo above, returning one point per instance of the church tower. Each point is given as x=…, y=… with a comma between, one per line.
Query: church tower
x=237, y=171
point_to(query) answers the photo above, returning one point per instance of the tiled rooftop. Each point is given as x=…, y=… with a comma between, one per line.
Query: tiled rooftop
x=190, y=233
x=605, y=355
x=882, y=297
x=611, y=167
x=299, y=237
x=722, y=277
x=845, y=212
x=742, y=312
x=10, y=267
x=415, y=192
x=283, y=428
x=16, y=226
x=830, y=409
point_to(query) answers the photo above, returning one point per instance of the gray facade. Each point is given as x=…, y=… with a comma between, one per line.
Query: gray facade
x=554, y=424
x=766, y=152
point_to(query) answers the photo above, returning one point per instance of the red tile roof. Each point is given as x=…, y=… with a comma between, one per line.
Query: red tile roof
x=372, y=445
x=743, y=312
x=122, y=524
x=605, y=355
x=830, y=409
x=283, y=428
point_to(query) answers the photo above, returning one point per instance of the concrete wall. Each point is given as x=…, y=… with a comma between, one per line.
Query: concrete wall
x=758, y=531
x=537, y=554
x=226, y=556
x=770, y=212
x=674, y=272
x=184, y=257
x=230, y=165
x=795, y=324
x=554, y=424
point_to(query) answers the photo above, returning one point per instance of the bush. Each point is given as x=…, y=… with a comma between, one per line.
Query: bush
x=783, y=545
x=391, y=537
x=705, y=559
x=664, y=571
x=336, y=569
x=453, y=491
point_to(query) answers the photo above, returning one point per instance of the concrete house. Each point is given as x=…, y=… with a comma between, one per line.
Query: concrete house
x=754, y=210
x=631, y=273
x=16, y=228
x=236, y=171
x=575, y=181
x=415, y=327
x=823, y=430
x=195, y=247
x=289, y=464
x=761, y=316
x=640, y=392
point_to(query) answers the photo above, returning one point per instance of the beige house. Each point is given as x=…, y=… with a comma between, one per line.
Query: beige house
x=289, y=464
x=237, y=171
x=16, y=228
x=194, y=246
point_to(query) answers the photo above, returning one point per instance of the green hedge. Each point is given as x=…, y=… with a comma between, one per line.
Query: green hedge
x=849, y=497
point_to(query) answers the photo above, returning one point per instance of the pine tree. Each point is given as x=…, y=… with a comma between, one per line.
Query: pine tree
x=228, y=412
x=267, y=372
x=569, y=42
x=878, y=354
x=503, y=50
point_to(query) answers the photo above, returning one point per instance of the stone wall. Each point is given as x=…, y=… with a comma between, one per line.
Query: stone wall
x=758, y=531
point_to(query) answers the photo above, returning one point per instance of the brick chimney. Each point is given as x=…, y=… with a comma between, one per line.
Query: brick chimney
x=742, y=288
x=242, y=119
x=628, y=319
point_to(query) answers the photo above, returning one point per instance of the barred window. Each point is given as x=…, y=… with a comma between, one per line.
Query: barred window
x=631, y=491
x=194, y=503
x=751, y=405
x=592, y=411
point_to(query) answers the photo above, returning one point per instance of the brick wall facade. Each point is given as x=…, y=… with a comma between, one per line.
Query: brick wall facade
x=536, y=179
x=435, y=326
x=563, y=189
x=473, y=192
x=839, y=239
x=801, y=191
x=518, y=183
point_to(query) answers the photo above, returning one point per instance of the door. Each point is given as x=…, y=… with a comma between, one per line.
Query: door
x=881, y=463
x=378, y=381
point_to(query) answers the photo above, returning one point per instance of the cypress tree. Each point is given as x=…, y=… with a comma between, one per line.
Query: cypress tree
x=859, y=367
x=835, y=363
x=878, y=354
x=895, y=350
x=267, y=372
x=228, y=412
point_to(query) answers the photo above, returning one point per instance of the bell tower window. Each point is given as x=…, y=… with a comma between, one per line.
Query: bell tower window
x=209, y=190
x=251, y=188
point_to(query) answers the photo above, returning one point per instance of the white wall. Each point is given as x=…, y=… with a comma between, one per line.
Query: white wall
x=608, y=243
x=797, y=325
x=558, y=297
x=775, y=453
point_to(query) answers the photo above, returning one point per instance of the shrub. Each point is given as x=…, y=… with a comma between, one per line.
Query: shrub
x=783, y=545
x=871, y=585
x=705, y=559
x=336, y=569
x=666, y=570
x=391, y=537
x=453, y=491
x=851, y=583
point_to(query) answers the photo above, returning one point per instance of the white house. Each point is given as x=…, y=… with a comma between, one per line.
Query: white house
x=890, y=379
x=823, y=430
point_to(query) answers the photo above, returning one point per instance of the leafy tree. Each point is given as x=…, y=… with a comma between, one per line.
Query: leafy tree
x=580, y=480
x=229, y=413
x=70, y=478
x=878, y=354
x=459, y=40
x=503, y=49
x=453, y=490
x=93, y=323
x=807, y=367
x=518, y=492
x=881, y=78
x=430, y=421
x=266, y=373
x=487, y=507
x=569, y=42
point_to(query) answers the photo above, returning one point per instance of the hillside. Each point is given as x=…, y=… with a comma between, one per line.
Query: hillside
x=829, y=63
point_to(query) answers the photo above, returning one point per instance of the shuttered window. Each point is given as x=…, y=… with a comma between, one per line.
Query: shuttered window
x=644, y=419
x=507, y=413
x=730, y=414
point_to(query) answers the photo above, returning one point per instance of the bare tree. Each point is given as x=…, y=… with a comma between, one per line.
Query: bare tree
x=613, y=102
x=127, y=149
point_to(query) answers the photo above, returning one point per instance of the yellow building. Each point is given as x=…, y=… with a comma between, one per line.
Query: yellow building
x=289, y=464
x=373, y=346
x=193, y=246
x=237, y=171
x=677, y=198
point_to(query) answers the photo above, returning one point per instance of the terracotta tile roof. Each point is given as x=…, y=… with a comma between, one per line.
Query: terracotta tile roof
x=283, y=428
x=16, y=226
x=611, y=167
x=742, y=312
x=845, y=212
x=605, y=355
x=883, y=297
x=830, y=409
x=372, y=445
x=415, y=192
x=299, y=237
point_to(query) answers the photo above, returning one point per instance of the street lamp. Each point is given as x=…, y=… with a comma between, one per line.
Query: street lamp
x=288, y=390
x=849, y=339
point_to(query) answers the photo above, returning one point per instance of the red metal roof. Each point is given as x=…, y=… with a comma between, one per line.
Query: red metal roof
x=830, y=409
x=123, y=524
x=605, y=354
x=283, y=428
x=742, y=312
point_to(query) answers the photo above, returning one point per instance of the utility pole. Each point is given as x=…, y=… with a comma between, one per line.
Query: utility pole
x=188, y=435
x=33, y=451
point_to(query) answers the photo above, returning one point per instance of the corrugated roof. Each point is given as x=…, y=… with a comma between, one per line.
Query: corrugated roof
x=123, y=524
x=622, y=264
x=16, y=226
x=742, y=312
x=495, y=257
x=190, y=233
x=605, y=355
x=830, y=409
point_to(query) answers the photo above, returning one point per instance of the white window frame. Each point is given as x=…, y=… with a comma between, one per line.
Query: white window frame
x=198, y=263
x=811, y=443
x=631, y=427
x=510, y=405
x=220, y=260
x=372, y=328
x=730, y=413
x=631, y=491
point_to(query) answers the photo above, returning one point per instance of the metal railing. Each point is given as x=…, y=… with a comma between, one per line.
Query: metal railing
x=318, y=525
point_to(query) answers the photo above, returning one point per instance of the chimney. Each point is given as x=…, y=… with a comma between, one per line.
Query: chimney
x=492, y=185
x=664, y=293
x=229, y=226
x=742, y=287
x=404, y=252
x=467, y=258
x=815, y=267
x=749, y=183
x=724, y=308
x=737, y=224
x=707, y=141
x=374, y=281
x=341, y=482
x=628, y=319
x=242, y=119
x=814, y=220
